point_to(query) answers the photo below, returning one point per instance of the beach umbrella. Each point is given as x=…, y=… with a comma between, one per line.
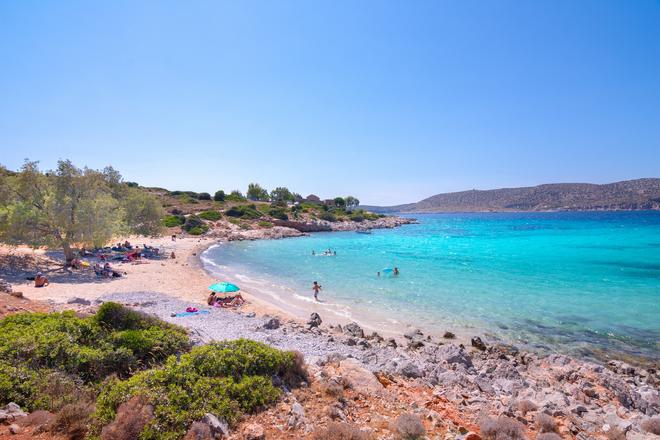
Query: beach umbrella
x=224, y=287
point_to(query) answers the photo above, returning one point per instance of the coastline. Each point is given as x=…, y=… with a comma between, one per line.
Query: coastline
x=465, y=377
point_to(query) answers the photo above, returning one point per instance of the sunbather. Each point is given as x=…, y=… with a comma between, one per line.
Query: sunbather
x=40, y=280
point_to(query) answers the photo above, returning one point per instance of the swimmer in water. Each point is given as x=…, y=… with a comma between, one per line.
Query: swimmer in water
x=396, y=271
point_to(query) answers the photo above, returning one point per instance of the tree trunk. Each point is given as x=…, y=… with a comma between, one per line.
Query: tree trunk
x=68, y=253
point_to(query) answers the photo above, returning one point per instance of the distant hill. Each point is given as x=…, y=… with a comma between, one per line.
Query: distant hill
x=627, y=195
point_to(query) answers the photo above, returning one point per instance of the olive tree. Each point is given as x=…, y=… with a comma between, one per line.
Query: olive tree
x=257, y=193
x=70, y=206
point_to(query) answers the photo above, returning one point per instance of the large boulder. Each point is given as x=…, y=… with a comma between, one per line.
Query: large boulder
x=314, y=320
x=453, y=354
x=354, y=330
x=359, y=378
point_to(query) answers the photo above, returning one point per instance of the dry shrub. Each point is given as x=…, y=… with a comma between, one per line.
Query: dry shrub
x=502, y=428
x=548, y=436
x=297, y=373
x=131, y=419
x=40, y=420
x=652, y=425
x=73, y=420
x=525, y=406
x=409, y=427
x=199, y=431
x=546, y=423
x=340, y=431
x=616, y=434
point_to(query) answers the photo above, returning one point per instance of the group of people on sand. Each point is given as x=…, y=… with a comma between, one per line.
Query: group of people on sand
x=106, y=271
x=226, y=301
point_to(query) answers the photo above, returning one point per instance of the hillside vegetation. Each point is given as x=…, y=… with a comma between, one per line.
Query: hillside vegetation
x=640, y=194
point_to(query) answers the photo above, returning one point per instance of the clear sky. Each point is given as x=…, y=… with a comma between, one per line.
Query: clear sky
x=391, y=101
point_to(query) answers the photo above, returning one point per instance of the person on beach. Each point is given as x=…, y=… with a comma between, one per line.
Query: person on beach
x=316, y=287
x=40, y=280
x=211, y=299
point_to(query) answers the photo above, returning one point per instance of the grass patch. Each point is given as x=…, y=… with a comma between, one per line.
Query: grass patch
x=210, y=215
x=265, y=224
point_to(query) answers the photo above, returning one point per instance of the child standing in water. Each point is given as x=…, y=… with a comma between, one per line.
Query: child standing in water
x=316, y=287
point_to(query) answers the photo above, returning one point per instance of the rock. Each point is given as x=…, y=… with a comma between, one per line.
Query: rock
x=358, y=378
x=415, y=345
x=453, y=354
x=250, y=315
x=411, y=370
x=351, y=342
x=198, y=431
x=472, y=436
x=391, y=343
x=364, y=344
x=11, y=412
x=478, y=343
x=449, y=335
x=81, y=301
x=414, y=334
x=354, y=330
x=272, y=324
x=314, y=320
x=254, y=431
x=16, y=294
x=298, y=410
x=14, y=429
x=219, y=427
x=579, y=410
x=376, y=337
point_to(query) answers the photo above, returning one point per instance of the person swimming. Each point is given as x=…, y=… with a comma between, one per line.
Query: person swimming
x=396, y=271
x=316, y=287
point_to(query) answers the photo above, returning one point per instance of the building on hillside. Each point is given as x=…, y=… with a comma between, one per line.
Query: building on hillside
x=313, y=199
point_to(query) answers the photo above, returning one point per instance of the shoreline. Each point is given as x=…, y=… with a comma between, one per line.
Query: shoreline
x=470, y=379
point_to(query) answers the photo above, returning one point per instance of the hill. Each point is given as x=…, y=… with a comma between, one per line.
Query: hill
x=639, y=194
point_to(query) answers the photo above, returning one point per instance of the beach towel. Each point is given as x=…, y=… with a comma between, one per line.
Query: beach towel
x=199, y=312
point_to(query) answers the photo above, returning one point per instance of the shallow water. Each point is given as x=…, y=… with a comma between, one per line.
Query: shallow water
x=574, y=282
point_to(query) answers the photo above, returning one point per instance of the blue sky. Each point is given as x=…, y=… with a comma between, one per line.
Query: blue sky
x=390, y=101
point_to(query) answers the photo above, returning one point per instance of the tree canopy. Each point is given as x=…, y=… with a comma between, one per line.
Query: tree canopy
x=71, y=206
x=257, y=193
x=281, y=194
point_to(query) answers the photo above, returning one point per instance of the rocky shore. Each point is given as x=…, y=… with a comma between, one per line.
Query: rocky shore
x=586, y=399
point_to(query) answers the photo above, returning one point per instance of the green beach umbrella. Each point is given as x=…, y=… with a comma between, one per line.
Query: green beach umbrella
x=224, y=287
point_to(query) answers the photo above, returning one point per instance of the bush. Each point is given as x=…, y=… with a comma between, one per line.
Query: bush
x=132, y=417
x=210, y=215
x=265, y=224
x=278, y=213
x=195, y=225
x=525, y=406
x=357, y=217
x=244, y=211
x=235, y=196
x=204, y=196
x=49, y=360
x=652, y=425
x=328, y=216
x=409, y=427
x=171, y=221
x=219, y=196
x=546, y=423
x=225, y=378
x=501, y=428
x=340, y=431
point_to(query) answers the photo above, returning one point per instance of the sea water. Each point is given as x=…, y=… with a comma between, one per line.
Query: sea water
x=584, y=283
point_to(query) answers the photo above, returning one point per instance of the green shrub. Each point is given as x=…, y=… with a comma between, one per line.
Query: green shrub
x=328, y=216
x=234, y=221
x=192, y=222
x=235, y=196
x=198, y=230
x=357, y=217
x=48, y=358
x=204, y=196
x=244, y=211
x=219, y=196
x=171, y=221
x=210, y=215
x=278, y=213
x=223, y=378
x=265, y=224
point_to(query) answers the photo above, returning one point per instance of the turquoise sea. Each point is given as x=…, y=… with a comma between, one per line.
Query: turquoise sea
x=584, y=283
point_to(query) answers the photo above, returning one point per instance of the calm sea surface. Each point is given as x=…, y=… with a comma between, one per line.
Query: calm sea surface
x=582, y=283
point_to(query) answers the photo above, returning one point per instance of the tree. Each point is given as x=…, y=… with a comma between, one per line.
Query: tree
x=219, y=196
x=281, y=194
x=340, y=202
x=204, y=196
x=235, y=196
x=70, y=206
x=351, y=202
x=257, y=193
